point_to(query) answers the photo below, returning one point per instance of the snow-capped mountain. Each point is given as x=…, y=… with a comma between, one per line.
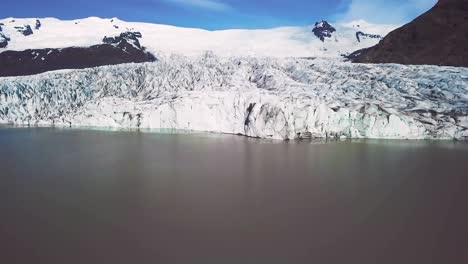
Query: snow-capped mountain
x=310, y=41
x=283, y=98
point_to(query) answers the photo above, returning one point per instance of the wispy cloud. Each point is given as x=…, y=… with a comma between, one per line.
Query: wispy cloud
x=385, y=11
x=205, y=4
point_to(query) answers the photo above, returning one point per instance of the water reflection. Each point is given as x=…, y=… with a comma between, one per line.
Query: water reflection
x=81, y=196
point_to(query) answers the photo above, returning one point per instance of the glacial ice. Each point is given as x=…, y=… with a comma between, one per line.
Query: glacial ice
x=259, y=97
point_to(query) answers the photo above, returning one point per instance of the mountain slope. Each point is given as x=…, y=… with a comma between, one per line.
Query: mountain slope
x=438, y=37
x=124, y=48
x=279, y=42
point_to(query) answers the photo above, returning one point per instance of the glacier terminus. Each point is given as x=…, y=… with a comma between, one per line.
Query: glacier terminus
x=279, y=98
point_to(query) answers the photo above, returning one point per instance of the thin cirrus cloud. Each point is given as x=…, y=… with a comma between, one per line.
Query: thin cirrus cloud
x=385, y=11
x=213, y=5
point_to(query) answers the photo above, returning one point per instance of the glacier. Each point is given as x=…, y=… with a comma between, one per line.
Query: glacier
x=278, y=98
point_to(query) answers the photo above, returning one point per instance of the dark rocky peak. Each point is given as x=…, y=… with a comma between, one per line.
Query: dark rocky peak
x=125, y=40
x=3, y=41
x=38, y=24
x=361, y=35
x=1, y=29
x=25, y=30
x=323, y=30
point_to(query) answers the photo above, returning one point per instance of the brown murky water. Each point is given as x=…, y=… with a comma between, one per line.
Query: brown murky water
x=77, y=196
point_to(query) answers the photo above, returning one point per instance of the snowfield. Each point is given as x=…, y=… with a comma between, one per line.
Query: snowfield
x=276, y=42
x=258, y=97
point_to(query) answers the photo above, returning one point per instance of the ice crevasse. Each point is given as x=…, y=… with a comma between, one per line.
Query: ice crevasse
x=258, y=97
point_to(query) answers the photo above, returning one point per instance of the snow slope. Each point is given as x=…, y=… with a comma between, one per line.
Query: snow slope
x=278, y=42
x=260, y=97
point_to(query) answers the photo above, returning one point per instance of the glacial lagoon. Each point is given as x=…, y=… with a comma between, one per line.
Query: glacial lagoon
x=92, y=196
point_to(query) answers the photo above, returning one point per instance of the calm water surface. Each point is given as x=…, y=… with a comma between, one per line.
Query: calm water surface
x=78, y=196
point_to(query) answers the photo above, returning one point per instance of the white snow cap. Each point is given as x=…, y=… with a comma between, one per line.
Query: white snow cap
x=276, y=42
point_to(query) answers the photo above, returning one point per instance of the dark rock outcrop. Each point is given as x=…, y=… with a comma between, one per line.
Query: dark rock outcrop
x=438, y=37
x=323, y=30
x=360, y=35
x=3, y=41
x=1, y=29
x=25, y=30
x=38, y=24
x=123, y=39
x=122, y=49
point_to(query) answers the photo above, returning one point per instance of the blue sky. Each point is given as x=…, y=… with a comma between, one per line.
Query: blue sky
x=223, y=14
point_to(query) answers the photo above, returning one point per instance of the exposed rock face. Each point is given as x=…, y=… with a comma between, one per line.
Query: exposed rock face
x=361, y=35
x=323, y=30
x=38, y=24
x=123, y=49
x=3, y=41
x=25, y=30
x=124, y=39
x=438, y=37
